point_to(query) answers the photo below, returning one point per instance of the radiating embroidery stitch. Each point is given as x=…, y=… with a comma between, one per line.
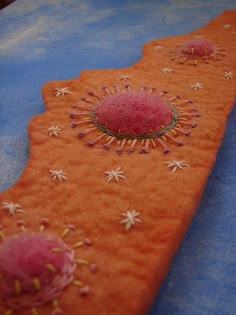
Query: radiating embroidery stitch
x=12, y=208
x=197, y=86
x=115, y=175
x=54, y=131
x=62, y=91
x=58, y=175
x=175, y=165
x=124, y=117
x=130, y=219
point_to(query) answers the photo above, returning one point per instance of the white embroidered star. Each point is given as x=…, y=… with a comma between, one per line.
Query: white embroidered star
x=175, y=165
x=58, y=174
x=62, y=91
x=228, y=75
x=54, y=131
x=198, y=36
x=115, y=174
x=124, y=77
x=158, y=47
x=167, y=70
x=12, y=207
x=197, y=86
x=130, y=219
x=227, y=25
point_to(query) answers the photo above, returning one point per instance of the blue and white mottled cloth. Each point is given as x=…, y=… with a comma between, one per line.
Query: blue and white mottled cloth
x=47, y=40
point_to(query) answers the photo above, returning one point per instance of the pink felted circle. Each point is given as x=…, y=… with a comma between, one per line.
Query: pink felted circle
x=133, y=113
x=197, y=48
x=24, y=257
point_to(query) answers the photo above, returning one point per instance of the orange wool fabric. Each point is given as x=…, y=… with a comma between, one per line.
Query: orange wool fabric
x=131, y=265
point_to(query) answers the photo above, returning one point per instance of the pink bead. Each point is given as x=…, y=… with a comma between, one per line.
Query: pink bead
x=57, y=311
x=93, y=268
x=20, y=223
x=130, y=151
x=44, y=221
x=88, y=242
x=81, y=134
x=71, y=227
x=90, y=143
x=84, y=291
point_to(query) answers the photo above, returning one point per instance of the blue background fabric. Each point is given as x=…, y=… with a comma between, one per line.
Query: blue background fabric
x=48, y=40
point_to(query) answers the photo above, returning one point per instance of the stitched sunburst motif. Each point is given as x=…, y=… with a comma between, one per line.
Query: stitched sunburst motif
x=130, y=119
x=197, y=86
x=59, y=175
x=226, y=26
x=197, y=50
x=115, y=175
x=54, y=131
x=62, y=91
x=228, y=75
x=130, y=219
x=36, y=267
x=175, y=165
x=158, y=47
x=167, y=70
x=12, y=207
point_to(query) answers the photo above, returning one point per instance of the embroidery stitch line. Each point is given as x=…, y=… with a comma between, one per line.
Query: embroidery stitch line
x=86, y=116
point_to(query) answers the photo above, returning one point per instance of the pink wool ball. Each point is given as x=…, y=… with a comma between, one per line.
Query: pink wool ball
x=133, y=113
x=197, y=48
x=26, y=256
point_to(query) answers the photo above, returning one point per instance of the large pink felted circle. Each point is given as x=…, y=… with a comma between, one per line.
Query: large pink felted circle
x=28, y=258
x=133, y=113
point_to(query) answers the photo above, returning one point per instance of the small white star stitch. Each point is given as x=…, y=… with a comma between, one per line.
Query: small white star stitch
x=58, y=175
x=124, y=77
x=12, y=208
x=228, y=75
x=198, y=36
x=227, y=26
x=115, y=174
x=175, y=165
x=167, y=70
x=196, y=86
x=62, y=91
x=54, y=131
x=130, y=219
x=158, y=47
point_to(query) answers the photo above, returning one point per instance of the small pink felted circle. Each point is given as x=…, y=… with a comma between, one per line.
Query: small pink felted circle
x=133, y=113
x=28, y=256
x=201, y=48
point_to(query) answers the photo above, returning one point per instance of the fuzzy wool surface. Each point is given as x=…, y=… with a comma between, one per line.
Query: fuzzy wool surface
x=197, y=48
x=24, y=257
x=133, y=113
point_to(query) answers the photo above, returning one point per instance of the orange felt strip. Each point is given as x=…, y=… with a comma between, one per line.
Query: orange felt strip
x=131, y=265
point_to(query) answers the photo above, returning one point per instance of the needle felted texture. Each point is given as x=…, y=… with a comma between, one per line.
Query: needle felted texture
x=133, y=113
x=197, y=48
x=32, y=268
x=37, y=252
x=130, y=210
